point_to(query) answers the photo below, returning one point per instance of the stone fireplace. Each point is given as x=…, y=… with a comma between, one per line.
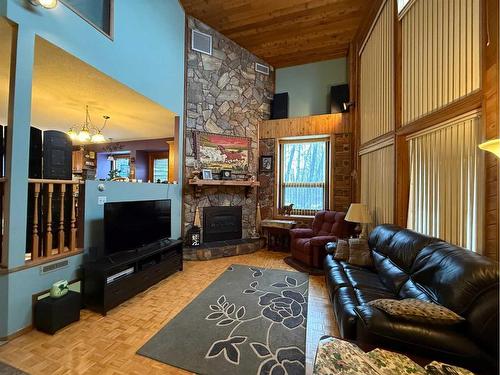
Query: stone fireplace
x=224, y=95
x=222, y=223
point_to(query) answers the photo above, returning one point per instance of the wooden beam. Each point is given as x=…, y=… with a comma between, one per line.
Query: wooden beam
x=460, y=107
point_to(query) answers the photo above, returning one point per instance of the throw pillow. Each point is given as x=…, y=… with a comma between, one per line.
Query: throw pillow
x=342, y=252
x=416, y=310
x=359, y=253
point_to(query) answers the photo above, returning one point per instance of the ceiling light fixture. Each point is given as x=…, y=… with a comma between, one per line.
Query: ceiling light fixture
x=47, y=4
x=347, y=105
x=88, y=132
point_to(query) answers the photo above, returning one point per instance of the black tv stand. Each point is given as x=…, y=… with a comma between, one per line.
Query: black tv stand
x=114, y=279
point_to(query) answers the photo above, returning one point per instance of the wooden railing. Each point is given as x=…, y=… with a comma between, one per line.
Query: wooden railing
x=53, y=218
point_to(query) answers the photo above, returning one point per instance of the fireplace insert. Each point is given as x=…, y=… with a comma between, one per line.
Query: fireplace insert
x=221, y=223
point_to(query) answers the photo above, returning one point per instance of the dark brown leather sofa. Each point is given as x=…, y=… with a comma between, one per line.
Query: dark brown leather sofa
x=411, y=265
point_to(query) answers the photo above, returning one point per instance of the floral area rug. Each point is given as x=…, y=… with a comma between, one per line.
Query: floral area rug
x=248, y=321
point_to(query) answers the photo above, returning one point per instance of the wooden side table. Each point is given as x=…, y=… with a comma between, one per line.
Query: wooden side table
x=278, y=234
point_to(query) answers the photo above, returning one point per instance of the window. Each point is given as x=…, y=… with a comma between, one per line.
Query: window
x=304, y=175
x=95, y=12
x=158, y=166
x=122, y=165
x=402, y=5
x=160, y=170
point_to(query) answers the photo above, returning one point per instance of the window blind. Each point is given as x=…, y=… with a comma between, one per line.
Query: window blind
x=444, y=180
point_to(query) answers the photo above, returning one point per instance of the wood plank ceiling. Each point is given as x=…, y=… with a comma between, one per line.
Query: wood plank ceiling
x=284, y=32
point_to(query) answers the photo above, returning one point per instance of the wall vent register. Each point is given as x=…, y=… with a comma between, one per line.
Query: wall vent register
x=201, y=42
x=261, y=68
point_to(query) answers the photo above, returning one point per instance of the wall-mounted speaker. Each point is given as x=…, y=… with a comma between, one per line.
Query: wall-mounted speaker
x=57, y=155
x=279, y=106
x=339, y=95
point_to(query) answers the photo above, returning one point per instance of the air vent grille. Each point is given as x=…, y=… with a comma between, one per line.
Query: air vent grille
x=201, y=42
x=261, y=68
x=53, y=266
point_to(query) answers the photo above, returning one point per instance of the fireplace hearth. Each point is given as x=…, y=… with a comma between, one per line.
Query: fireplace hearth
x=222, y=223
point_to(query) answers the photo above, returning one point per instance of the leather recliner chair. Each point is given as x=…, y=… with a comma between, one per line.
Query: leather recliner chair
x=411, y=265
x=308, y=245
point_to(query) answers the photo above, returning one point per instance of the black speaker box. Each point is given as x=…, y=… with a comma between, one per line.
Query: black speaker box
x=57, y=155
x=279, y=106
x=339, y=96
x=35, y=157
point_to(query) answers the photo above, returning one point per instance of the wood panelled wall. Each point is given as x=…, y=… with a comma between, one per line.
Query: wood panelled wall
x=491, y=105
x=440, y=53
x=445, y=65
x=337, y=126
x=377, y=188
x=377, y=75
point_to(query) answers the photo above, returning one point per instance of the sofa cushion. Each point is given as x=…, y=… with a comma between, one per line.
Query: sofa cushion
x=342, y=251
x=359, y=253
x=418, y=311
x=401, y=246
x=452, y=276
x=389, y=273
x=364, y=278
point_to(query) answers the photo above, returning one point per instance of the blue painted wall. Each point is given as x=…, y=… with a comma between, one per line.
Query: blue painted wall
x=120, y=192
x=146, y=54
x=308, y=85
x=21, y=287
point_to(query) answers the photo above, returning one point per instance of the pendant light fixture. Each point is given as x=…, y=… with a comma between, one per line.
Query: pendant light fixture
x=88, y=132
x=47, y=4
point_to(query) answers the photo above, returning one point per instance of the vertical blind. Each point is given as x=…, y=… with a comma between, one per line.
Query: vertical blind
x=444, y=179
x=377, y=184
x=377, y=77
x=440, y=55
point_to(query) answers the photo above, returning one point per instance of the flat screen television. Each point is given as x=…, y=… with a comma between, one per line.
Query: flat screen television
x=131, y=225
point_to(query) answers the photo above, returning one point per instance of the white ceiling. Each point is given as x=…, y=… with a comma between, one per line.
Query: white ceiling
x=63, y=85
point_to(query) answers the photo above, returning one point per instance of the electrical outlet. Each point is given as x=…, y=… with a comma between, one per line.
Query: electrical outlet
x=101, y=200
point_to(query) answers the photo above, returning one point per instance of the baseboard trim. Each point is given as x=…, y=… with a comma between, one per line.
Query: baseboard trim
x=16, y=334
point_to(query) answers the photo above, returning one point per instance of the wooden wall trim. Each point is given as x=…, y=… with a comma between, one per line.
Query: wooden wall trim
x=405, y=10
x=386, y=143
x=458, y=108
x=372, y=26
x=305, y=126
x=375, y=144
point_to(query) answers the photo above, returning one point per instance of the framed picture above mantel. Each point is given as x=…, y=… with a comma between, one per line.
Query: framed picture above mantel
x=222, y=152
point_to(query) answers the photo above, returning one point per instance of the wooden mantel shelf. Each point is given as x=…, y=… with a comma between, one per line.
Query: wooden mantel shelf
x=198, y=184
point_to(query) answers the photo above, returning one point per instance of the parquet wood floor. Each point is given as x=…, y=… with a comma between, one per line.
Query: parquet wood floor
x=107, y=345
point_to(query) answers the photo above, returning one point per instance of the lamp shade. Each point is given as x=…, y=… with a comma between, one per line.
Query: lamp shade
x=492, y=146
x=358, y=213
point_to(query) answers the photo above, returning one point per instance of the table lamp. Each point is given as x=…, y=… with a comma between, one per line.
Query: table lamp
x=358, y=213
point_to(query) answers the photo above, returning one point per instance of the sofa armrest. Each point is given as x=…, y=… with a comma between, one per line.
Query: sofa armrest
x=322, y=240
x=378, y=328
x=301, y=233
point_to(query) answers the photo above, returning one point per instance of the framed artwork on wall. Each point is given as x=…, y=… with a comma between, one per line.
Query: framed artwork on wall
x=266, y=163
x=218, y=152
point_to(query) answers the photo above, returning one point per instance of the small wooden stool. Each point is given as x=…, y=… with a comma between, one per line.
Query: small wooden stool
x=278, y=234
